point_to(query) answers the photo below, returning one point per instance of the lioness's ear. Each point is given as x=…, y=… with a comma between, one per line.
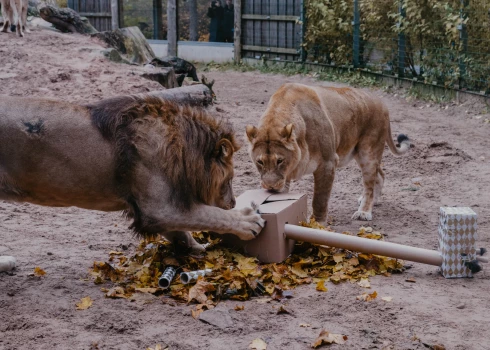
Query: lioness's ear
x=251, y=132
x=287, y=132
x=224, y=150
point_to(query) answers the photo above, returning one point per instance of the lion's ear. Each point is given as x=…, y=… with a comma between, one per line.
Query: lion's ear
x=224, y=150
x=251, y=132
x=287, y=132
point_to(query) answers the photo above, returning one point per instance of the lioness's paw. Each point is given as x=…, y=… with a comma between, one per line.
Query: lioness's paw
x=362, y=215
x=249, y=225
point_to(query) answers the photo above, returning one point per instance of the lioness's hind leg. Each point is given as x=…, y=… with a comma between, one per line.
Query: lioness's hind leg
x=378, y=187
x=368, y=161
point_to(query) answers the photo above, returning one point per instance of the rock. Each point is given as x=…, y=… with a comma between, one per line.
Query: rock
x=482, y=158
x=130, y=43
x=461, y=306
x=218, y=318
x=114, y=56
x=7, y=263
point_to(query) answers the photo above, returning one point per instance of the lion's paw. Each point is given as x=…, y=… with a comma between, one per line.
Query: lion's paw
x=362, y=216
x=249, y=225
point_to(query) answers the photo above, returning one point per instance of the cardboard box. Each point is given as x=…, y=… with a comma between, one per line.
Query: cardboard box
x=457, y=235
x=277, y=209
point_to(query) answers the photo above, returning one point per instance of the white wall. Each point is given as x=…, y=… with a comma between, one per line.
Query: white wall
x=196, y=50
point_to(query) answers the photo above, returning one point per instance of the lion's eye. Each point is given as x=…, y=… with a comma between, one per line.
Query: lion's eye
x=259, y=162
x=280, y=160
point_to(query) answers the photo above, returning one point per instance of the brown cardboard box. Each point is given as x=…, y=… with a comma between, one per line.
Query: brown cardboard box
x=277, y=209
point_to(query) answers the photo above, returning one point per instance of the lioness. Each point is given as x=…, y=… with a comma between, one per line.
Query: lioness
x=169, y=166
x=317, y=129
x=14, y=12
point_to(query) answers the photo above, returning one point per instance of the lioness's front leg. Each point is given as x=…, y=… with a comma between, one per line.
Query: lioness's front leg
x=323, y=177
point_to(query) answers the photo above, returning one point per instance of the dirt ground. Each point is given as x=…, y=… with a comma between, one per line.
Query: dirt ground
x=450, y=160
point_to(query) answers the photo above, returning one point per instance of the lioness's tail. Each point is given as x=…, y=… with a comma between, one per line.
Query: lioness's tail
x=403, y=141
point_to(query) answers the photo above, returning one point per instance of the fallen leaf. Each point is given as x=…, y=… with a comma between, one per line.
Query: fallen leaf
x=410, y=279
x=201, y=308
x=320, y=286
x=364, y=283
x=326, y=337
x=387, y=298
x=283, y=310
x=116, y=292
x=146, y=290
x=84, y=303
x=39, y=272
x=305, y=325
x=258, y=344
x=113, y=252
x=367, y=297
x=239, y=307
x=199, y=290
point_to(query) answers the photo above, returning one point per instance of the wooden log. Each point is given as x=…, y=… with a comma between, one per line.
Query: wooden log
x=194, y=95
x=165, y=76
x=66, y=20
x=130, y=43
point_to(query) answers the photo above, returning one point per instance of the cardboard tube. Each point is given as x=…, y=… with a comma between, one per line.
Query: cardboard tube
x=364, y=245
x=166, y=278
x=192, y=276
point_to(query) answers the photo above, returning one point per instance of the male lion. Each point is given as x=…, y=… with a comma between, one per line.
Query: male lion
x=14, y=12
x=169, y=166
x=317, y=129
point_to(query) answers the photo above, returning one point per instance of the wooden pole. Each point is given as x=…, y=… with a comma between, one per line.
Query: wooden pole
x=157, y=19
x=238, y=31
x=172, y=27
x=115, y=14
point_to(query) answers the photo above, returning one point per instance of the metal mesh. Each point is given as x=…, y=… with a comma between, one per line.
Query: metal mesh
x=438, y=42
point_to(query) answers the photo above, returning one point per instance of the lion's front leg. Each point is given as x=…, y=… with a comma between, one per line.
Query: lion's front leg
x=184, y=238
x=244, y=223
x=323, y=178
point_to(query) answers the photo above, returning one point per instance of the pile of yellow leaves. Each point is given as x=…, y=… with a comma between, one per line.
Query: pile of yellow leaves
x=235, y=276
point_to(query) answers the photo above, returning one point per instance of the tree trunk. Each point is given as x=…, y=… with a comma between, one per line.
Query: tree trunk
x=194, y=95
x=66, y=20
x=130, y=43
x=193, y=20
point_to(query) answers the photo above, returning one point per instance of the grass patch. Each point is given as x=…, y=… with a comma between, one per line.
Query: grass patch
x=352, y=78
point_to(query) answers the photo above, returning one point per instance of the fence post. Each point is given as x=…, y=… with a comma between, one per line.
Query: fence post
x=115, y=14
x=463, y=39
x=172, y=27
x=303, y=53
x=401, y=40
x=157, y=19
x=237, y=38
x=357, y=35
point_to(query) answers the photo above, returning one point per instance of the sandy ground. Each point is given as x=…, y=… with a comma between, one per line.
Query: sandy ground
x=450, y=159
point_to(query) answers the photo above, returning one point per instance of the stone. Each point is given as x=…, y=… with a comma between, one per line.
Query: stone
x=218, y=318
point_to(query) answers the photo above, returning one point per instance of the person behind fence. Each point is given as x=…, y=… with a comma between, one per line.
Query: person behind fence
x=215, y=12
x=228, y=21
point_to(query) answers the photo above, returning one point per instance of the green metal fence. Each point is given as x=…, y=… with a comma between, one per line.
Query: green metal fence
x=438, y=42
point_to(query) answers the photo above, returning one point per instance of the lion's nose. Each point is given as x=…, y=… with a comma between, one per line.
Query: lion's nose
x=232, y=203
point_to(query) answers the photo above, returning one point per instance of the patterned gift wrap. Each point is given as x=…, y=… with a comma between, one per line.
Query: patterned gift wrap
x=457, y=236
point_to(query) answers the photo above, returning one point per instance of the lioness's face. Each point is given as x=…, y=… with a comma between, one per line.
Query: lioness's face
x=275, y=154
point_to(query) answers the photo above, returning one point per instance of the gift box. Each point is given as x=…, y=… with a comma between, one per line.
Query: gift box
x=457, y=238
